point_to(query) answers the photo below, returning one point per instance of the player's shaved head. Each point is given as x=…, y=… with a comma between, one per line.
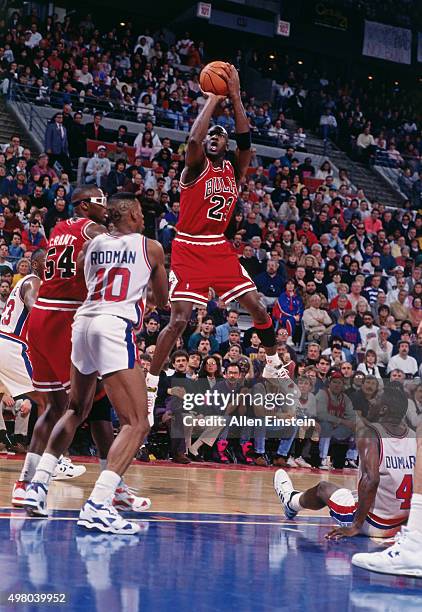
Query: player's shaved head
x=120, y=205
x=38, y=262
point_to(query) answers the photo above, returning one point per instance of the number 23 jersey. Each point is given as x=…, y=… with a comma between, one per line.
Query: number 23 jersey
x=206, y=204
x=63, y=288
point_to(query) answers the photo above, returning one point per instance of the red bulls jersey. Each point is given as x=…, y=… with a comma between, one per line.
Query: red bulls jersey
x=63, y=288
x=207, y=203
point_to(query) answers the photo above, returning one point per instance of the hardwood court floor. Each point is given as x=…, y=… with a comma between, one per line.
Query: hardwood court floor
x=208, y=488
x=214, y=540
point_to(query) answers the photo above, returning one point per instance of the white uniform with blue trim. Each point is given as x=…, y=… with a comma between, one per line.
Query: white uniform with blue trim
x=117, y=272
x=15, y=364
x=392, y=501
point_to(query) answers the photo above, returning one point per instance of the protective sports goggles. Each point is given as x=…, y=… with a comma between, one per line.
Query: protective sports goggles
x=99, y=200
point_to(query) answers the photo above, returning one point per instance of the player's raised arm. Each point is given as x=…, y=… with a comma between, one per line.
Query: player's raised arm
x=195, y=153
x=159, y=282
x=243, y=134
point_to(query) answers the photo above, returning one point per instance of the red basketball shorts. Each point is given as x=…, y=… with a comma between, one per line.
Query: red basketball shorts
x=50, y=346
x=197, y=267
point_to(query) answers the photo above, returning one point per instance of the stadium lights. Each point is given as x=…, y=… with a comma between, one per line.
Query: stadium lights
x=122, y=23
x=370, y=77
x=271, y=56
x=396, y=83
x=300, y=62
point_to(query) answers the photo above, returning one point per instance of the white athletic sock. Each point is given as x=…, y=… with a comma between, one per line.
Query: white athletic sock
x=152, y=380
x=45, y=469
x=294, y=502
x=103, y=464
x=415, y=516
x=105, y=487
x=29, y=467
x=273, y=360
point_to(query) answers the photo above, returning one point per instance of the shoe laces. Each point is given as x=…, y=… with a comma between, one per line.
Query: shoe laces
x=401, y=536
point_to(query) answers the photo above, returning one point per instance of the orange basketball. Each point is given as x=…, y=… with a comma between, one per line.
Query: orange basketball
x=210, y=78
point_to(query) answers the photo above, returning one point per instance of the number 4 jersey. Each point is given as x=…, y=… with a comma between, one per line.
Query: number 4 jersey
x=201, y=256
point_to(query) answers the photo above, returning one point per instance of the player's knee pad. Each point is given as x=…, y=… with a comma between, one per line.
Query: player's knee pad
x=101, y=410
x=342, y=506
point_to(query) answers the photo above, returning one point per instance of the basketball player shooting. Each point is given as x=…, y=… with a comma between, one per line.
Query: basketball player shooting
x=387, y=453
x=201, y=255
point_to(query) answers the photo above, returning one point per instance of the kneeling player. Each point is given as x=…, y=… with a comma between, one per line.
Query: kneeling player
x=117, y=270
x=387, y=454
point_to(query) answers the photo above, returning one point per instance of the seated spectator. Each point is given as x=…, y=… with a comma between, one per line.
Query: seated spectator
x=366, y=145
x=336, y=417
x=317, y=322
x=347, y=331
x=205, y=329
x=399, y=309
x=23, y=268
x=20, y=409
x=98, y=167
x=116, y=179
x=328, y=125
x=34, y=239
x=369, y=366
x=270, y=283
x=402, y=361
x=5, y=289
x=288, y=309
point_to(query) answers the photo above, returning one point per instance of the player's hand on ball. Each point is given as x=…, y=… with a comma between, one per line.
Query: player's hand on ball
x=213, y=97
x=342, y=532
x=233, y=82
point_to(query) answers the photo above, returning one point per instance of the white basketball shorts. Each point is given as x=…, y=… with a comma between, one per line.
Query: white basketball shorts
x=342, y=505
x=15, y=365
x=103, y=344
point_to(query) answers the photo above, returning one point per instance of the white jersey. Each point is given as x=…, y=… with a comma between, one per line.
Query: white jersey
x=397, y=464
x=14, y=318
x=117, y=272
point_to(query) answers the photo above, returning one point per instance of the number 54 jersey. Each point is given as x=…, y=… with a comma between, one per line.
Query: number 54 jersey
x=61, y=293
x=201, y=256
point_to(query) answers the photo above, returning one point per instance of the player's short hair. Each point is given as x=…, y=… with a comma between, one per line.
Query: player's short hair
x=396, y=401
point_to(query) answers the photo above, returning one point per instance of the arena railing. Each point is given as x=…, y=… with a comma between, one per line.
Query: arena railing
x=25, y=111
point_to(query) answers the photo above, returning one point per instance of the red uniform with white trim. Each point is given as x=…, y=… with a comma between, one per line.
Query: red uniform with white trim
x=392, y=501
x=201, y=256
x=60, y=295
x=15, y=363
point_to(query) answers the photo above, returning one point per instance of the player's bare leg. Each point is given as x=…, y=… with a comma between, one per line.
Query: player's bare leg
x=44, y=426
x=125, y=497
x=179, y=318
x=293, y=501
x=127, y=392
x=80, y=402
x=404, y=557
x=265, y=329
x=53, y=406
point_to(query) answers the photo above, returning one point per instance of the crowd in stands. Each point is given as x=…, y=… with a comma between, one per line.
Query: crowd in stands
x=340, y=275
